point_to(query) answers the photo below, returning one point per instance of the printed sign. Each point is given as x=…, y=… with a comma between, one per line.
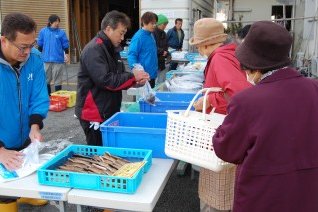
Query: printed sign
x=51, y=195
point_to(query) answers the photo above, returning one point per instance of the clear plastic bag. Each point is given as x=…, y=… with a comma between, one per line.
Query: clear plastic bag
x=31, y=161
x=138, y=66
x=147, y=94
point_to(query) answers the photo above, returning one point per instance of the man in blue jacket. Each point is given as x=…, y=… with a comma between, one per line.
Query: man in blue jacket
x=143, y=48
x=175, y=38
x=53, y=43
x=24, y=102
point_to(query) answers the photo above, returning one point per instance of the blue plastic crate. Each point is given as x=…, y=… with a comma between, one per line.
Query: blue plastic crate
x=136, y=130
x=47, y=175
x=195, y=57
x=167, y=101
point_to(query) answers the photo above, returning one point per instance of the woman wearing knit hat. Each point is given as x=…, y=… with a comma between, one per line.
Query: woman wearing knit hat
x=216, y=190
x=274, y=126
x=162, y=47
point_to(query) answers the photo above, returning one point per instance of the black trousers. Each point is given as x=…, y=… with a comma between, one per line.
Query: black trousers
x=93, y=137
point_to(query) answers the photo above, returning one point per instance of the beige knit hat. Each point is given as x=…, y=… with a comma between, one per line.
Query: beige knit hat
x=207, y=31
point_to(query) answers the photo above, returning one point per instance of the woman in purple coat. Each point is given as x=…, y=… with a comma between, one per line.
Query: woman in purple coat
x=270, y=131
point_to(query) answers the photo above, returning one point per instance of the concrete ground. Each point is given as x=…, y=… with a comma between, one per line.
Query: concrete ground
x=62, y=129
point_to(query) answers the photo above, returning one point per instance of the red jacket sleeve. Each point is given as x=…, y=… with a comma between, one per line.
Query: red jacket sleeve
x=224, y=72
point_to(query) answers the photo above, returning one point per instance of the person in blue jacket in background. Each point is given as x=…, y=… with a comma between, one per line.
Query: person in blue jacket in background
x=53, y=43
x=24, y=102
x=143, y=48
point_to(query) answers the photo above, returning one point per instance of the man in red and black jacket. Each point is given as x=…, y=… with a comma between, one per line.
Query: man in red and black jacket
x=102, y=77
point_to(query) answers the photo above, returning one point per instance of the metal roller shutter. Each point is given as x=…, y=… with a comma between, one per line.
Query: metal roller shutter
x=39, y=10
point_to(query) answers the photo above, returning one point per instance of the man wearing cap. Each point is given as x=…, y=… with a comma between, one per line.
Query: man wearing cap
x=222, y=70
x=53, y=44
x=162, y=46
x=270, y=130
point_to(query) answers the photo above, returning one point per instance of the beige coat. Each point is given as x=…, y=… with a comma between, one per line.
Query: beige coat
x=217, y=189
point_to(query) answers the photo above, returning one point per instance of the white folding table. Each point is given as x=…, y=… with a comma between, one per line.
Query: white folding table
x=144, y=199
x=29, y=187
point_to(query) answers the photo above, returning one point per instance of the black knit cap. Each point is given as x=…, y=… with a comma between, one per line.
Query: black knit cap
x=266, y=47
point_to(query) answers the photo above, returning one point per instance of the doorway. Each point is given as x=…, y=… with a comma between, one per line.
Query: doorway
x=86, y=17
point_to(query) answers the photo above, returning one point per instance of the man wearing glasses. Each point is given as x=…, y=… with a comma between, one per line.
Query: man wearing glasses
x=53, y=44
x=24, y=101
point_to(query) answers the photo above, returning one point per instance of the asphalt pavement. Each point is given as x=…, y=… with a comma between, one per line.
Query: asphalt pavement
x=62, y=129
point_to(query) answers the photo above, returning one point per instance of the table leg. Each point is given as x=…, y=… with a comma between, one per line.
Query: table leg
x=62, y=206
x=78, y=208
x=181, y=168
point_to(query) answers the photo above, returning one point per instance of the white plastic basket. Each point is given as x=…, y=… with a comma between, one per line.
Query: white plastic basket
x=189, y=135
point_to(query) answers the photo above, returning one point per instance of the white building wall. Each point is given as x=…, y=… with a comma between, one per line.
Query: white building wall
x=310, y=32
x=179, y=9
x=252, y=10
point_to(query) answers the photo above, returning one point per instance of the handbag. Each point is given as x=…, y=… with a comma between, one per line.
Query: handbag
x=189, y=135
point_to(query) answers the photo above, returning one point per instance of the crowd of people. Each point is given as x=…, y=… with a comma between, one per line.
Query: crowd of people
x=269, y=131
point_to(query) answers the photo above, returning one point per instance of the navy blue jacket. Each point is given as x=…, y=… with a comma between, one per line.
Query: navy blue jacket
x=173, y=40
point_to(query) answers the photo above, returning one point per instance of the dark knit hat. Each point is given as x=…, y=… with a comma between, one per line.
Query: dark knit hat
x=266, y=47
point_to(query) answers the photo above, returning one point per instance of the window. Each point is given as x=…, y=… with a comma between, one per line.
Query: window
x=278, y=13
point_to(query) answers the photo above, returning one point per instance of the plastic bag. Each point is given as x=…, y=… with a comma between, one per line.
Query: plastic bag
x=138, y=66
x=186, y=83
x=31, y=161
x=147, y=94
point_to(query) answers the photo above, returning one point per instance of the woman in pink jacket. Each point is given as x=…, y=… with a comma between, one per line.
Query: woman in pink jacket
x=216, y=190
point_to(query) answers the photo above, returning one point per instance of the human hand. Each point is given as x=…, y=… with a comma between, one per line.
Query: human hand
x=141, y=75
x=11, y=159
x=66, y=58
x=198, y=105
x=35, y=134
x=164, y=53
x=142, y=82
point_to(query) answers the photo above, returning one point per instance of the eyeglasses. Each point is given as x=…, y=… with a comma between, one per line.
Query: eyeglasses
x=24, y=48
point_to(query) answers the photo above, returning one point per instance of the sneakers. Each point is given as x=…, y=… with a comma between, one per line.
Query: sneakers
x=32, y=201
